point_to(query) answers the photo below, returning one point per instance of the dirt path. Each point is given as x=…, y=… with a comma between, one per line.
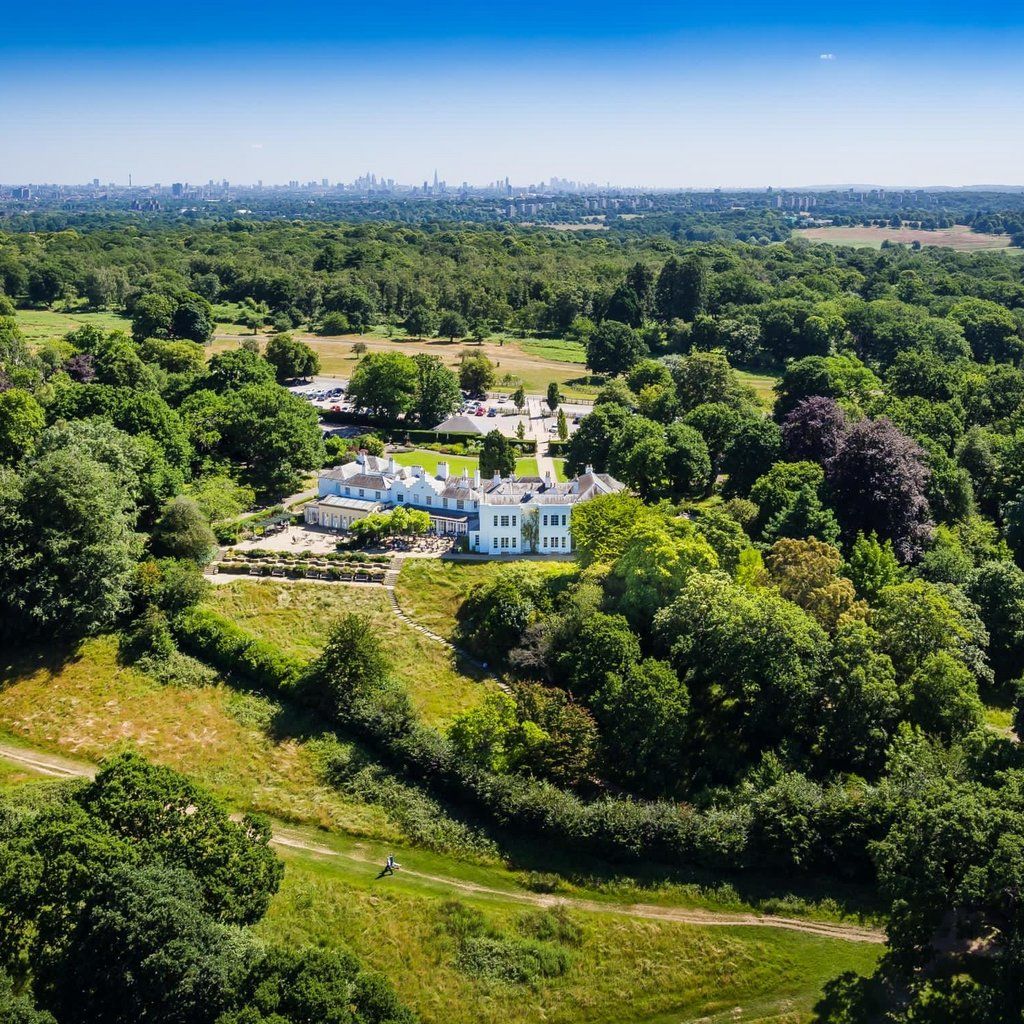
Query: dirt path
x=62, y=767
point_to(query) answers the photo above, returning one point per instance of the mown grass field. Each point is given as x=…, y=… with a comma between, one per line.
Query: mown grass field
x=762, y=383
x=431, y=590
x=556, y=349
x=40, y=325
x=429, y=459
x=297, y=617
x=253, y=752
x=623, y=969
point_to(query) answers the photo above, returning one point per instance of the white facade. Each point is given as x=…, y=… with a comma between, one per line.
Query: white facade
x=502, y=516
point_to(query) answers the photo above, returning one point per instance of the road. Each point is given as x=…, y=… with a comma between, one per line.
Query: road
x=61, y=767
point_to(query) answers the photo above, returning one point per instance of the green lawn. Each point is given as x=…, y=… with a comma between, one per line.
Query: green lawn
x=297, y=617
x=429, y=459
x=560, y=475
x=555, y=349
x=39, y=325
x=762, y=383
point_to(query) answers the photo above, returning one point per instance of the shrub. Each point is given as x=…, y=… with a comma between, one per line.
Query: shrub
x=555, y=924
x=514, y=961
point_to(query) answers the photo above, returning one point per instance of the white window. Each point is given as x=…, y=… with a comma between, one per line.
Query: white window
x=494, y=542
x=515, y=521
x=430, y=499
x=545, y=520
x=495, y=520
x=563, y=542
x=399, y=497
x=504, y=520
x=444, y=501
x=460, y=505
x=348, y=490
x=544, y=541
x=360, y=492
x=504, y=542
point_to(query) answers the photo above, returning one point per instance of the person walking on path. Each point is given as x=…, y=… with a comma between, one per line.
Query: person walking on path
x=389, y=866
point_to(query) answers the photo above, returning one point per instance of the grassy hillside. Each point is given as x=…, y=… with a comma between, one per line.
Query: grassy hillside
x=431, y=590
x=254, y=752
x=297, y=616
x=621, y=969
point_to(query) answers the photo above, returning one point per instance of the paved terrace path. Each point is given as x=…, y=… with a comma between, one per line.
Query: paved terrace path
x=62, y=767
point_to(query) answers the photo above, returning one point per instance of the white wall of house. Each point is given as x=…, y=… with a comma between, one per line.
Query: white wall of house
x=501, y=528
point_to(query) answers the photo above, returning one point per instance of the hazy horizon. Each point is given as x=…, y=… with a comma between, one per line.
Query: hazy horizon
x=653, y=97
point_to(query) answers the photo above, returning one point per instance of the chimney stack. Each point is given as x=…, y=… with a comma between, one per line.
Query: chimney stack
x=391, y=465
x=442, y=471
x=496, y=479
x=588, y=470
x=476, y=479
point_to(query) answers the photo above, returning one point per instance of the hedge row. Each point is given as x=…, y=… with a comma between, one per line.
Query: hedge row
x=359, y=573
x=225, y=646
x=266, y=554
x=795, y=824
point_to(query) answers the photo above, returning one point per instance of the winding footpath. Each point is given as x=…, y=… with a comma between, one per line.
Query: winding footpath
x=61, y=767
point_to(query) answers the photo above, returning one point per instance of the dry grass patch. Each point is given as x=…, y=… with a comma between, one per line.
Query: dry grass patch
x=960, y=236
x=297, y=617
x=252, y=752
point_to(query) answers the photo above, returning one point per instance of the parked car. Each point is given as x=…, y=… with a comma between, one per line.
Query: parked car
x=335, y=408
x=480, y=411
x=492, y=411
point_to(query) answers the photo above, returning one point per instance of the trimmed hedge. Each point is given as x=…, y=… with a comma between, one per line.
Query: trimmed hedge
x=794, y=825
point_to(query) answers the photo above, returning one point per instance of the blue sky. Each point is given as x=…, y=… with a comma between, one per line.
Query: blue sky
x=643, y=93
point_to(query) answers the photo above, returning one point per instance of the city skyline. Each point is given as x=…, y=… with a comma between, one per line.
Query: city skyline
x=921, y=95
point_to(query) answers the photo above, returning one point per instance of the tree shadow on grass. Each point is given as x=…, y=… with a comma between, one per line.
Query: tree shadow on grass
x=19, y=662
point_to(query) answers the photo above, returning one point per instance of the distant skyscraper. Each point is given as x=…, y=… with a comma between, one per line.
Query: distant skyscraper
x=435, y=177
x=323, y=182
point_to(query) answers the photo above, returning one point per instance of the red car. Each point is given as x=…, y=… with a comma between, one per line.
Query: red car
x=481, y=411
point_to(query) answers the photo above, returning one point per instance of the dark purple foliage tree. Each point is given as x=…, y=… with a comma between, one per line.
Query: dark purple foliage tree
x=81, y=368
x=814, y=430
x=878, y=479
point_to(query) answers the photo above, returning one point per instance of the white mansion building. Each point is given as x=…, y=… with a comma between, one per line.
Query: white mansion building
x=498, y=516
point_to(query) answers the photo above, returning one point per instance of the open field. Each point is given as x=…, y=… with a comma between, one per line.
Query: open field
x=957, y=237
x=254, y=753
x=431, y=590
x=40, y=325
x=297, y=616
x=510, y=356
